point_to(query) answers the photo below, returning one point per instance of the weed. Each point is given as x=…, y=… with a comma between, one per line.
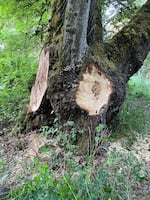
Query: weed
x=110, y=181
x=65, y=135
x=1, y=167
x=101, y=139
x=133, y=118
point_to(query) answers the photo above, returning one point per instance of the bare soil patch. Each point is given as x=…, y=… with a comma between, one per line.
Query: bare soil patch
x=17, y=150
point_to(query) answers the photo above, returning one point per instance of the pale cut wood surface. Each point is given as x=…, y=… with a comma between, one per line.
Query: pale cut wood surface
x=40, y=85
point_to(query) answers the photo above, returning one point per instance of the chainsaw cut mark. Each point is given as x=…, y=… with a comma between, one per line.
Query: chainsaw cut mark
x=93, y=91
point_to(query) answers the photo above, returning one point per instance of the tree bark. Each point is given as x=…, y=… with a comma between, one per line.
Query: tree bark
x=87, y=77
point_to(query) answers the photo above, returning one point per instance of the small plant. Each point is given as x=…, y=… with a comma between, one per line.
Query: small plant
x=3, y=169
x=112, y=180
x=65, y=135
x=101, y=139
x=132, y=121
x=132, y=117
x=1, y=166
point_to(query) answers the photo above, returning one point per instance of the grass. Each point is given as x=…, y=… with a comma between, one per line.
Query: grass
x=114, y=179
x=110, y=181
x=139, y=87
x=133, y=118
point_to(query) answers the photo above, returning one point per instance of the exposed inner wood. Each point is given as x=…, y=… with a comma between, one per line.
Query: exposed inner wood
x=94, y=90
x=40, y=85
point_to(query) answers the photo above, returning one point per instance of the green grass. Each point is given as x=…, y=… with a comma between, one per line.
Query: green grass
x=138, y=87
x=133, y=118
x=110, y=181
x=15, y=91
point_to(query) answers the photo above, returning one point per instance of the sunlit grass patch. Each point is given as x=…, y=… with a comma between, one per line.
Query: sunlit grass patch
x=139, y=87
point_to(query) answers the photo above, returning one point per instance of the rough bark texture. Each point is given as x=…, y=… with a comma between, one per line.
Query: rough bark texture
x=130, y=46
x=74, y=41
x=87, y=76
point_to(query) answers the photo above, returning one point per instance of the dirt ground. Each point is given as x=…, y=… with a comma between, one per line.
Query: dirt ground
x=141, y=150
x=14, y=151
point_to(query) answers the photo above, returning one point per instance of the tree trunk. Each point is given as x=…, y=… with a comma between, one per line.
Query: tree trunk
x=86, y=79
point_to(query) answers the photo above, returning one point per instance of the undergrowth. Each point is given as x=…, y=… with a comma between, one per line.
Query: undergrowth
x=138, y=87
x=110, y=181
x=61, y=177
x=113, y=179
x=133, y=118
x=42, y=180
x=15, y=90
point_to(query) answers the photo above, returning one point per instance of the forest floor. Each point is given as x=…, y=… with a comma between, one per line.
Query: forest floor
x=18, y=152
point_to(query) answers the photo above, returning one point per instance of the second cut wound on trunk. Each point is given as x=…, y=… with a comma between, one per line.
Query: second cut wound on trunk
x=94, y=90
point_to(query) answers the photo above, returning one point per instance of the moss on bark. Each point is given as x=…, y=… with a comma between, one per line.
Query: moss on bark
x=131, y=45
x=118, y=59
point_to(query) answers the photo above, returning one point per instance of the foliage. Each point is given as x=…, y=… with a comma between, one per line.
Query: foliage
x=133, y=118
x=1, y=166
x=20, y=42
x=117, y=14
x=43, y=180
x=3, y=169
x=21, y=12
x=110, y=181
x=140, y=82
x=65, y=135
x=139, y=87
